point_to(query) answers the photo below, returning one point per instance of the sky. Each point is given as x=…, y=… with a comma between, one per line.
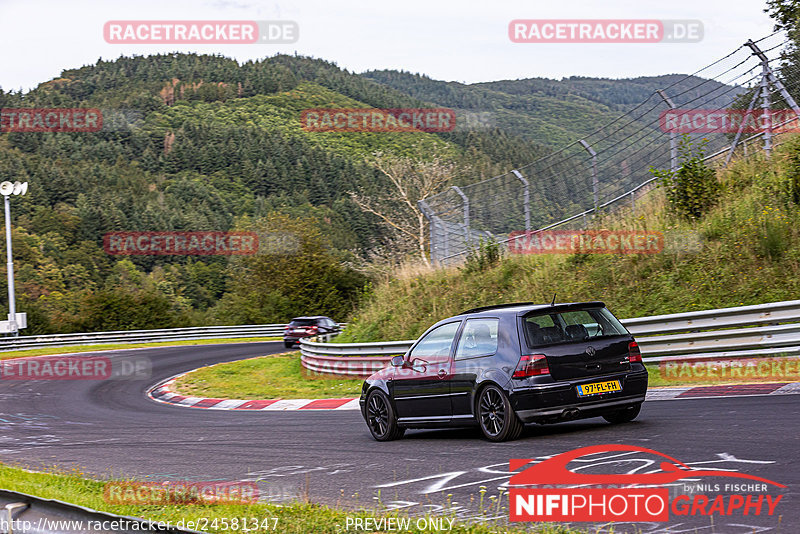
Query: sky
x=465, y=41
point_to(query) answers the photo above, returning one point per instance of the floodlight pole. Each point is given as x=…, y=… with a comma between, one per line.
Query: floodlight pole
x=12, y=308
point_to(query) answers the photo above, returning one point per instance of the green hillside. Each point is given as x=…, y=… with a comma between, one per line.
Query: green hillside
x=745, y=250
x=552, y=112
x=196, y=142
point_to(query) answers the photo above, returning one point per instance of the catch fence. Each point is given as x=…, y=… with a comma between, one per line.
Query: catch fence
x=609, y=168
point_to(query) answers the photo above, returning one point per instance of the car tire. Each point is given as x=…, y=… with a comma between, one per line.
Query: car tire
x=496, y=417
x=381, y=418
x=625, y=415
x=288, y=344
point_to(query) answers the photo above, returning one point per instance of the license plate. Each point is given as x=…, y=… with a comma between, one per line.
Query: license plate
x=596, y=388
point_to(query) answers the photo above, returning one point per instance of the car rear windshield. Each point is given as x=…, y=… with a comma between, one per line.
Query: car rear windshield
x=303, y=322
x=543, y=328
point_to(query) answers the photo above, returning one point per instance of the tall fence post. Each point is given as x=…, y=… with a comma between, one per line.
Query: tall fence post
x=741, y=127
x=594, y=171
x=451, y=234
x=526, y=199
x=769, y=77
x=466, y=215
x=446, y=234
x=765, y=111
x=426, y=211
x=673, y=137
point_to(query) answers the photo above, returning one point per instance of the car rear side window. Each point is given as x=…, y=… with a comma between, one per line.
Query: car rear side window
x=479, y=338
x=542, y=328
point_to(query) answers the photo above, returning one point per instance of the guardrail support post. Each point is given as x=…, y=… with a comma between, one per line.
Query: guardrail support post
x=10, y=509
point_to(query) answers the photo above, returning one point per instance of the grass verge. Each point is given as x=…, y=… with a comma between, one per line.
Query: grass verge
x=753, y=371
x=292, y=518
x=282, y=376
x=266, y=377
x=117, y=346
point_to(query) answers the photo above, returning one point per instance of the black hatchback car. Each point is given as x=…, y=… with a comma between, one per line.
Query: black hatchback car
x=499, y=367
x=301, y=327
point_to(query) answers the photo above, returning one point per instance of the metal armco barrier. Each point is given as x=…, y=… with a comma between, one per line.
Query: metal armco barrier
x=743, y=331
x=141, y=336
x=28, y=513
x=349, y=359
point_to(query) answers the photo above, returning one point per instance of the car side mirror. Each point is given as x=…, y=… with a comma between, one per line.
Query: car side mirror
x=397, y=361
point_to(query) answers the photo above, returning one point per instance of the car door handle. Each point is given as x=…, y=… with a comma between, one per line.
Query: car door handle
x=442, y=373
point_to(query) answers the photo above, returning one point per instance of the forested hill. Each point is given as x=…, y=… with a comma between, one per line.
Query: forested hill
x=193, y=142
x=550, y=112
x=197, y=142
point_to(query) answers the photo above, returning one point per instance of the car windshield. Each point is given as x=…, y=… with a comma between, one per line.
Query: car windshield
x=303, y=322
x=543, y=328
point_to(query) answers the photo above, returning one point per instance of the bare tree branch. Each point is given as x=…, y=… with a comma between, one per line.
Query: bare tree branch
x=409, y=181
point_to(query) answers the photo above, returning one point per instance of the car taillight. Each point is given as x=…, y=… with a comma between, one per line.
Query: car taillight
x=531, y=365
x=634, y=354
x=313, y=329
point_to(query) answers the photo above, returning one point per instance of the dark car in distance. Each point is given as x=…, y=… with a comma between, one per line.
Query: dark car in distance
x=301, y=327
x=499, y=367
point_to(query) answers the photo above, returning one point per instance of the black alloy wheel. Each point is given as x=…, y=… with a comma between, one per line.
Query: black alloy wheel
x=496, y=417
x=381, y=420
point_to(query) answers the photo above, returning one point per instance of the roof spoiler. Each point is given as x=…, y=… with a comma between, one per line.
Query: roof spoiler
x=515, y=304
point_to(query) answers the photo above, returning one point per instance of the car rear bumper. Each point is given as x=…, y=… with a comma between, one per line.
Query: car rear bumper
x=559, y=401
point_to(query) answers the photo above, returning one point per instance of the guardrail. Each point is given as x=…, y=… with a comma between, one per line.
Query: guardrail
x=23, y=513
x=760, y=314
x=141, y=336
x=349, y=359
x=706, y=334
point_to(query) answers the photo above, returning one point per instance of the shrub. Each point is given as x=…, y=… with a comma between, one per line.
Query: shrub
x=693, y=189
x=487, y=254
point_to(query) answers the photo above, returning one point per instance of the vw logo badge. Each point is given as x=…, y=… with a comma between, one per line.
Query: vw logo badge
x=590, y=351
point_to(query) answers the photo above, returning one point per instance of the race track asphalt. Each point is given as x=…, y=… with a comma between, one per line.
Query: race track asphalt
x=109, y=428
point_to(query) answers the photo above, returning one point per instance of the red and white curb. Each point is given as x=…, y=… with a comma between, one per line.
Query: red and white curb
x=731, y=390
x=162, y=393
